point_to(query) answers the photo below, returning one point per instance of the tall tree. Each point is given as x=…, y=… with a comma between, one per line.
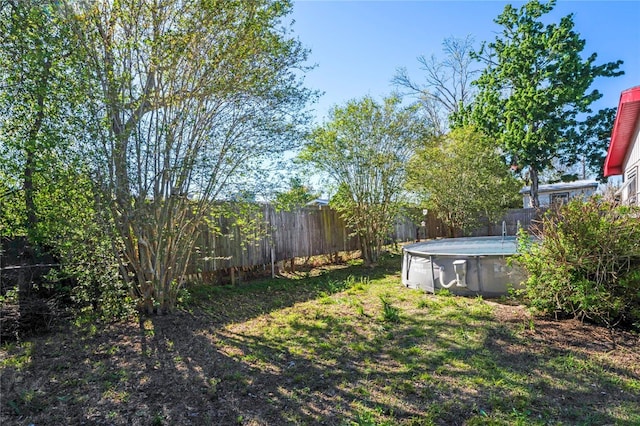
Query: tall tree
x=40, y=92
x=46, y=191
x=535, y=87
x=590, y=141
x=192, y=95
x=446, y=88
x=462, y=177
x=363, y=150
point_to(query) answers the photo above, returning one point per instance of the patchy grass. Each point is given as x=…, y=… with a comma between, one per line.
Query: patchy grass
x=342, y=346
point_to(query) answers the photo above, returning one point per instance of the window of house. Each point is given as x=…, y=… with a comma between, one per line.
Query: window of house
x=559, y=198
x=632, y=186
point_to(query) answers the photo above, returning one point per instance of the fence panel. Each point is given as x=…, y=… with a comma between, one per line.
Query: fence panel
x=509, y=222
x=317, y=231
x=282, y=235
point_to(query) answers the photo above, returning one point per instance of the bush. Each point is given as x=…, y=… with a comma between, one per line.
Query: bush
x=586, y=262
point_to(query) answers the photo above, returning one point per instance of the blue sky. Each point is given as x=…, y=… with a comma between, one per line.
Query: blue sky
x=358, y=45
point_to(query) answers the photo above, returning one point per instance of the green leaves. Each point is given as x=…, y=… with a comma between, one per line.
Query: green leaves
x=462, y=177
x=171, y=105
x=535, y=87
x=194, y=96
x=363, y=150
x=585, y=262
x=295, y=197
x=41, y=91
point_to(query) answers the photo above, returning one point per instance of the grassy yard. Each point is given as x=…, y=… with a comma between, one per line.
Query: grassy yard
x=336, y=346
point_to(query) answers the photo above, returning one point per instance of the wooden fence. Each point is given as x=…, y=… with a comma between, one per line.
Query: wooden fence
x=512, y=219
x=282, y=235
x=308, y=232
x=432, y=227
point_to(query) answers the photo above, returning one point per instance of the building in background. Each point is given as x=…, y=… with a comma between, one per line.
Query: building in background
x=559, y=193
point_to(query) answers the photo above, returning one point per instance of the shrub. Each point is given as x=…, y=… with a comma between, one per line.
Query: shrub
x=586, y=262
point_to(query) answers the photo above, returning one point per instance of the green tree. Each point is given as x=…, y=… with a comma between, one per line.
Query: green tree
x=46, y=190
x=363, y=150
x=535, y=87
x=40, y=94
x=462, y=177
x=590, y=143
x=297, y=196
x=191, y=96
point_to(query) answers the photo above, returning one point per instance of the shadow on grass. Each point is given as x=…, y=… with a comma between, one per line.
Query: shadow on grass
x=138, y=373
x=257, y=354
x=336, y=369
x=227, y=304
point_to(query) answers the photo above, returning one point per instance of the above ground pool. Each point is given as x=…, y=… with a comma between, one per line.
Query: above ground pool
x=464, y=266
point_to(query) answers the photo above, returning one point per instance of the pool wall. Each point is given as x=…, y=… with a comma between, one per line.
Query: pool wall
x=480, y=264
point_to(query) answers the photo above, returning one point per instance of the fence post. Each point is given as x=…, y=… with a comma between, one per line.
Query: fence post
x=273, y=261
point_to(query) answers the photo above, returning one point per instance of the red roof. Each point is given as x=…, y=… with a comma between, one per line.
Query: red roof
x=627, y=118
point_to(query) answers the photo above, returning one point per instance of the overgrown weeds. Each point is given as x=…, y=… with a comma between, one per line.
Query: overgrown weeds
x=586, y=263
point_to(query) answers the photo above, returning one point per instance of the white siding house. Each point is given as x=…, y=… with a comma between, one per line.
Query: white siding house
x=560, y=192
x=623, y=156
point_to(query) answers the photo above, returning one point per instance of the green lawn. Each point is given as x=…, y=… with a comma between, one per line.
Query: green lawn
x=341, y=346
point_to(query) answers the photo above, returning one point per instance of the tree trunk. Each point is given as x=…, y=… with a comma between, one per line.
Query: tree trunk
x=30, y=152
x=533, y=189
x=29, y=194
